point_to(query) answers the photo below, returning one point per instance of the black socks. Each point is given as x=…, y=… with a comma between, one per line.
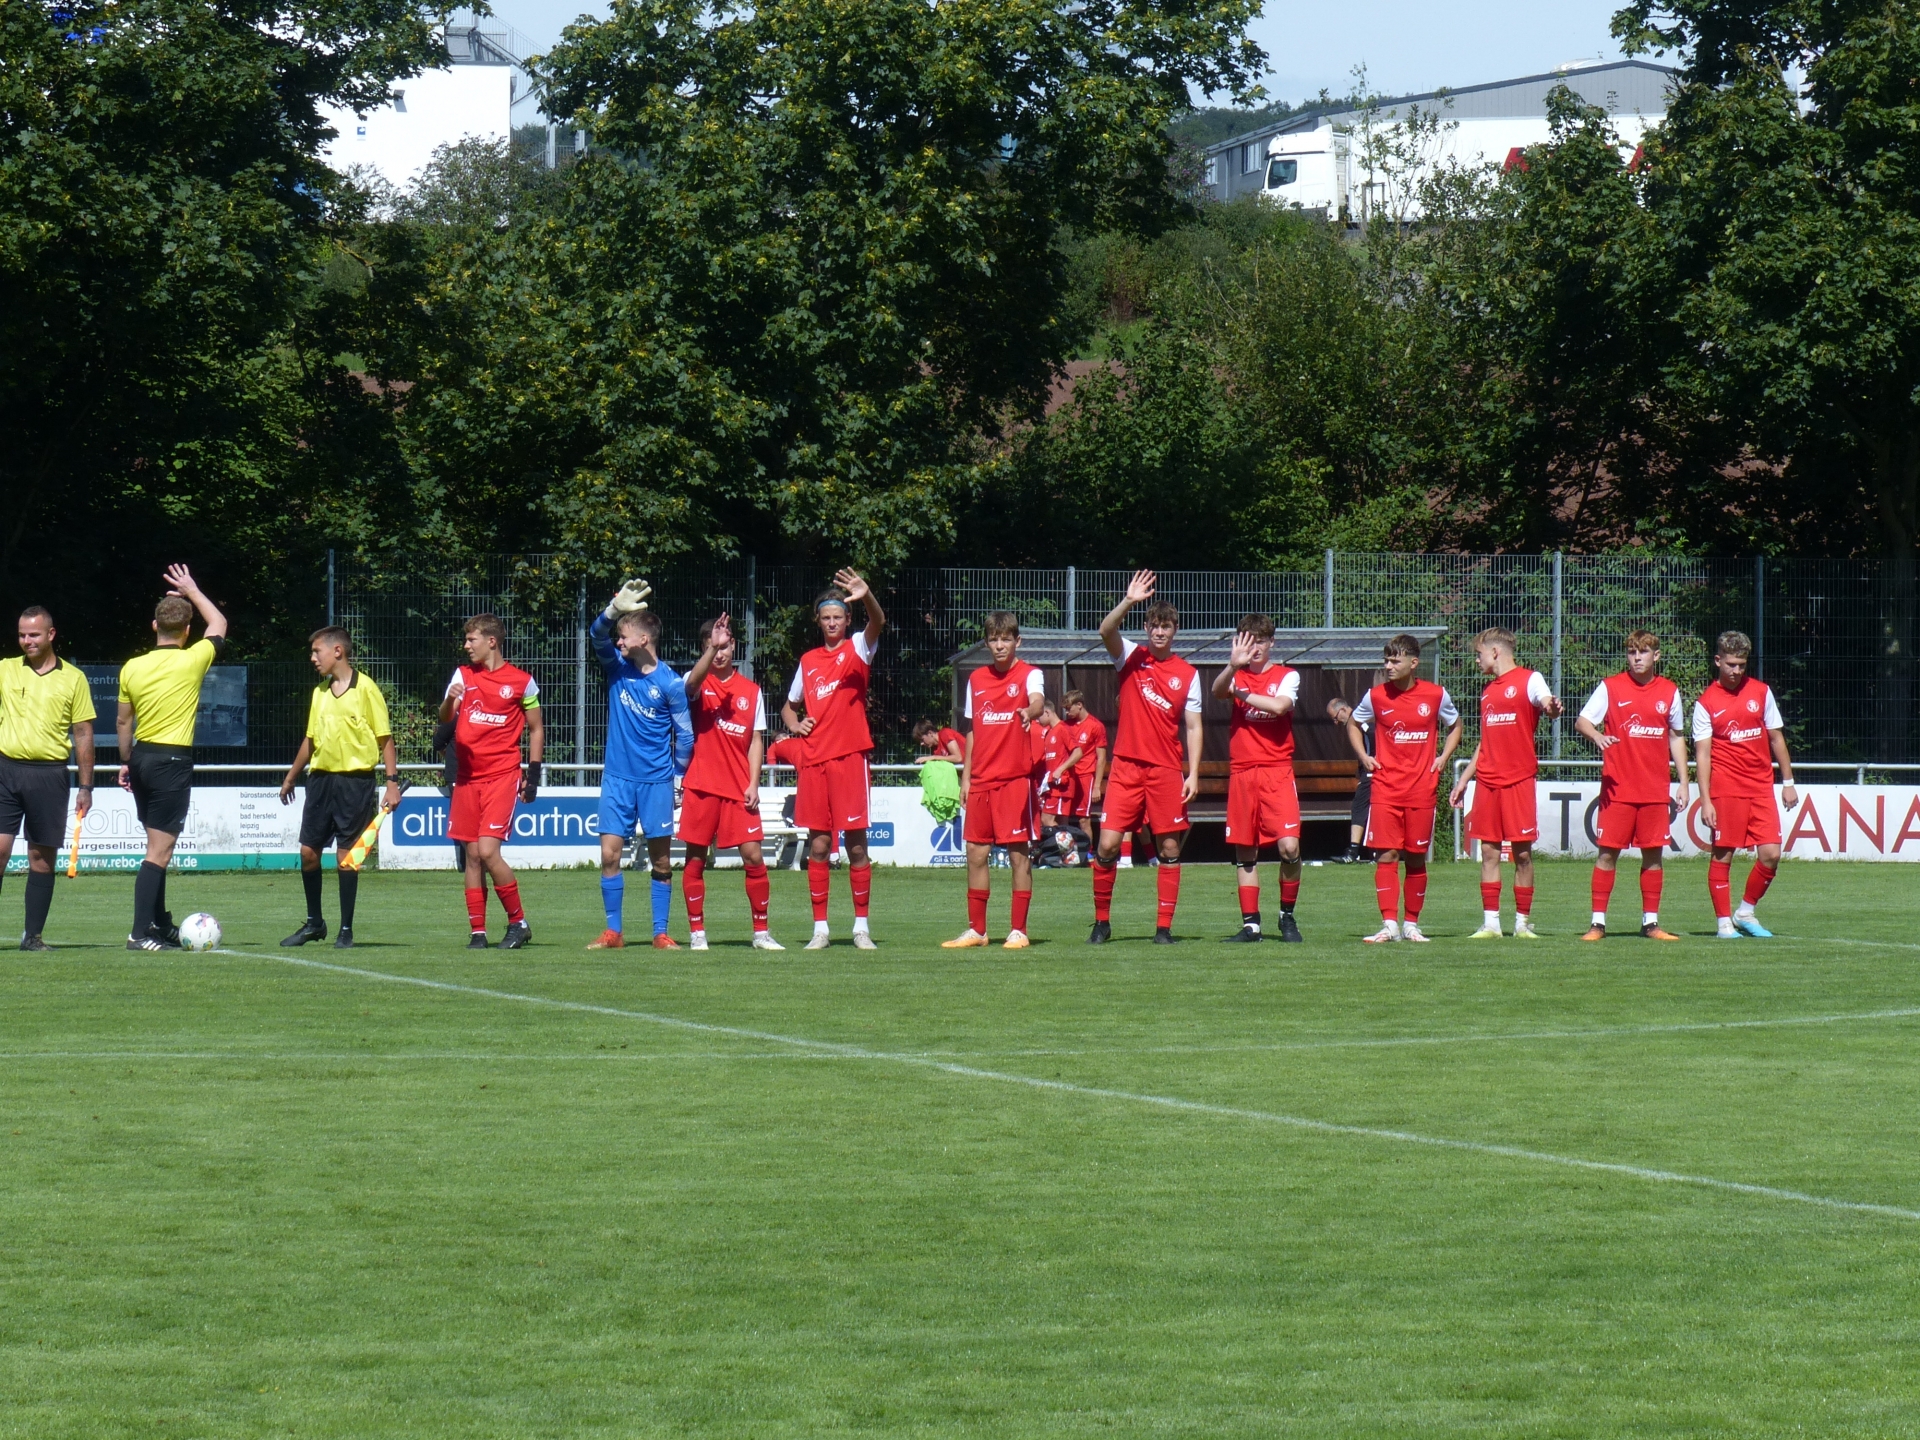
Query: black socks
x=39, y=901
x=310, y=879
x=349, y=892
x=149, y=890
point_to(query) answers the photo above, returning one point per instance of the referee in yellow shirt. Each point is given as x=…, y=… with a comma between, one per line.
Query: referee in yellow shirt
x=159, y=698
x=347, y=732
x=46, y=715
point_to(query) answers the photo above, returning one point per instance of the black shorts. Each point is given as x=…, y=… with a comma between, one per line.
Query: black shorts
x=340, y=804
x=34, y=791
x=162, y=780
x=1362, y=799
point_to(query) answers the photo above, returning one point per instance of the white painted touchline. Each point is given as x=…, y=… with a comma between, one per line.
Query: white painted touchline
x=1130, y=1097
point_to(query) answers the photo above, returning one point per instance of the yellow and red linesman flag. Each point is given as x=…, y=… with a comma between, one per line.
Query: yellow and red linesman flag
x=73, y=850
x=357, y=855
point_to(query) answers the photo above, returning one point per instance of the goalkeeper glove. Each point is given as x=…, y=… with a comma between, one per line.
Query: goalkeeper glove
x=530, y=785
x=631, y=596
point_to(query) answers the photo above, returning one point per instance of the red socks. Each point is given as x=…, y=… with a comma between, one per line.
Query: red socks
x=477, y=909
x=1022, y=902
x=1489, y=895
x=860, y=879
x=1250, y=901
x=1386, y=889
x=1650, y=891
x=510, y=901
x=1416, y=891
x=1289, y=894
x=759, y=892
x=1603, y=887
x=817, y=872
x=1103, y=876
x=1523, y=900
x=1169, y=894
x=1758, y=879
x=977, y=911
x=1719, y=885
x=693, y=885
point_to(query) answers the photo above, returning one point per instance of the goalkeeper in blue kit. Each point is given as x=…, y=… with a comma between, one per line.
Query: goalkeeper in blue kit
x=649, y=742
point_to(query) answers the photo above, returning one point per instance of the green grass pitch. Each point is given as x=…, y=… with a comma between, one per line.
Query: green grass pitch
x=1060, y=1192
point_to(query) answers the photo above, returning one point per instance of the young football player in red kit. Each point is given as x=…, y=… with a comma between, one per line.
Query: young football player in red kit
x=720, y=796
x=1737, y=735
x=996, y=784
x=1159, y=707
x=1405, y=714
x=1263, y=800
x=1059, y=793
x=491, y=704
x=831, y=683
x=1634, y=719
x=1502, y=772
x=940, y=742
x=1090, y=770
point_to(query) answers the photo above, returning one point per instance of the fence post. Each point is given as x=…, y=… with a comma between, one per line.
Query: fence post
x=332, y=612
x=1559, y=618
x=1072, y=613
x=753, y=593
x=1329, y=589
x=1759, y=616
x=580, y=689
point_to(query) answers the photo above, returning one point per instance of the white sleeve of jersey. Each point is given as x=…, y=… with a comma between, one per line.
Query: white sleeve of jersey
x=1674, y=722
x=966, y=705
x=760, y=711
x=1193, y=697
x=797, y=691
x=1449, y=712
x=456, y=680
x=533, y=688
x=1774, y=721
x=1127, y=647
x=1702, y=722
x=1594, y=712
x=862, y=648
x=1363, y=712
x=1036, y=683
x=1290, y=687
x=1538, y=691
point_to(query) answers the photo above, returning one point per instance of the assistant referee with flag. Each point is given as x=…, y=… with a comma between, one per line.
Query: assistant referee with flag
x=46, y=715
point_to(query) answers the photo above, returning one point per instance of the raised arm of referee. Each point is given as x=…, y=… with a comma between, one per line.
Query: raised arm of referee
x=159, y=698
x=46, y=717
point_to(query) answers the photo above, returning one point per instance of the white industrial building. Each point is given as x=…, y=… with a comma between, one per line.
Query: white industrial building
x=1317, y=160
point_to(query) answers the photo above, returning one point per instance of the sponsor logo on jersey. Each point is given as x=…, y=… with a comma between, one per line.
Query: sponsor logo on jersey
x=1736, y=735
x=631, y=702
x=1639, y=731
x=1412, y=737
x=1154, y=697
x=731, y=727
x=486, y=717
x=998, y=717
x=1495, y=717
x=824, y=690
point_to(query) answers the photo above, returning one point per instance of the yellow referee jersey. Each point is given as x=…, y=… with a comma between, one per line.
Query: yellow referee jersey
x=163, y=686
x=346, y=729
x=38, y=712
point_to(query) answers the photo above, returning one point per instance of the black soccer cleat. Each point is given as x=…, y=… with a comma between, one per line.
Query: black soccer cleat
x=518, y=934
x=1163, y=936
x=477, y=940
x=147, y=942
x=310, y=929
x=344, y=940
x=1102, y=933
x=33, y=942
x=1290, y=932
x=164, y=937
x=1249, y=934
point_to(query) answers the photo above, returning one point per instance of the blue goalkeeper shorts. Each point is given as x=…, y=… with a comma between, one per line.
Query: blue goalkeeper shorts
x=636, y=806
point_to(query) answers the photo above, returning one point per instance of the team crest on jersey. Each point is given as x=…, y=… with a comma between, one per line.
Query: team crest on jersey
x=739, y=702
x=1511, y=692
x=1013, y=690
x=505, y=691
x=1660, y=706
x=1424, y=708
x=1753, y=707
x=1174, y=683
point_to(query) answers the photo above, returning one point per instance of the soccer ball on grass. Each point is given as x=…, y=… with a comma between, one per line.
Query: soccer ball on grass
x=199, y=931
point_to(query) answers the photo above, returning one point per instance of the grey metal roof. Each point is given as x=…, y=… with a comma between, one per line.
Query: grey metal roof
x=1341, y=648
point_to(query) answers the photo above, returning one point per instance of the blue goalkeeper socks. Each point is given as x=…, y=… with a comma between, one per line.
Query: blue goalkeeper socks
x=613, y=895
x=662, y=903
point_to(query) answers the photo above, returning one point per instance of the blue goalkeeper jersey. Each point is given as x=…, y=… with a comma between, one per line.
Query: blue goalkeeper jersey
x=649, y=732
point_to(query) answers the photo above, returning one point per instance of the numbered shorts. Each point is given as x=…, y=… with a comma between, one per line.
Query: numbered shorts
x=1745, y=821
x=483, y=809
x=34, y=793
x=833, y=794
x=1399, y=827
x=162, y=781
x=1144, y=795
x=1263, y=805
x=724, y=821
x=340, y=804
x=1504, y=813
x=636, y=807
x=999, y=812
x=1625, y=826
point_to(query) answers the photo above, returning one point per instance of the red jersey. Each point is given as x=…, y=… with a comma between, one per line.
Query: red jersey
x=1090, y=735
x=1155, y=698
x=831, y=685
x=787, y=750
x=726, y=715
x=1510, y=709
x=1638, y=770
x=947, y=741
x=1257, y=738
x=1405, y=725
x=1737, y=722
x=489, y=719
x=996, y=703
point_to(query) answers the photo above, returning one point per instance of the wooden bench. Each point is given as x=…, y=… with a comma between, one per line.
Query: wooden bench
x=1326, y=788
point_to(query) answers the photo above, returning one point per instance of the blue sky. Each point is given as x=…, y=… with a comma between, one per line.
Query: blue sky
x=1407, y=45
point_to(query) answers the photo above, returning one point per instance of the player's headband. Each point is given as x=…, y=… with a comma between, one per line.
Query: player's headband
x=837, y=604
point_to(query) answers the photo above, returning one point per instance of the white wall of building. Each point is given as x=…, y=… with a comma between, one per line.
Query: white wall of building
x=434, y=108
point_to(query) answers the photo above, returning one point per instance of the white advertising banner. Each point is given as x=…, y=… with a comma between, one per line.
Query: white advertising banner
x=227, y=829
x=1831, y=822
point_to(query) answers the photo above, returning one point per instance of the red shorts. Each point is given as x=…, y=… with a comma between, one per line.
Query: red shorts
x=483, y=809
x=1064, y=797
x=999, y=812
x=1263, y=805
x=1746, y=820
x=1625, y=826
x=720, y=820
x=833, y=794
x=1399, y=827
x=1504, y=813
x=1149, y=795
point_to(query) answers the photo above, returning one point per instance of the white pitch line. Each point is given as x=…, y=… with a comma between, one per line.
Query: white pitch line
x=459, y=1056
x=1130, y=1097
